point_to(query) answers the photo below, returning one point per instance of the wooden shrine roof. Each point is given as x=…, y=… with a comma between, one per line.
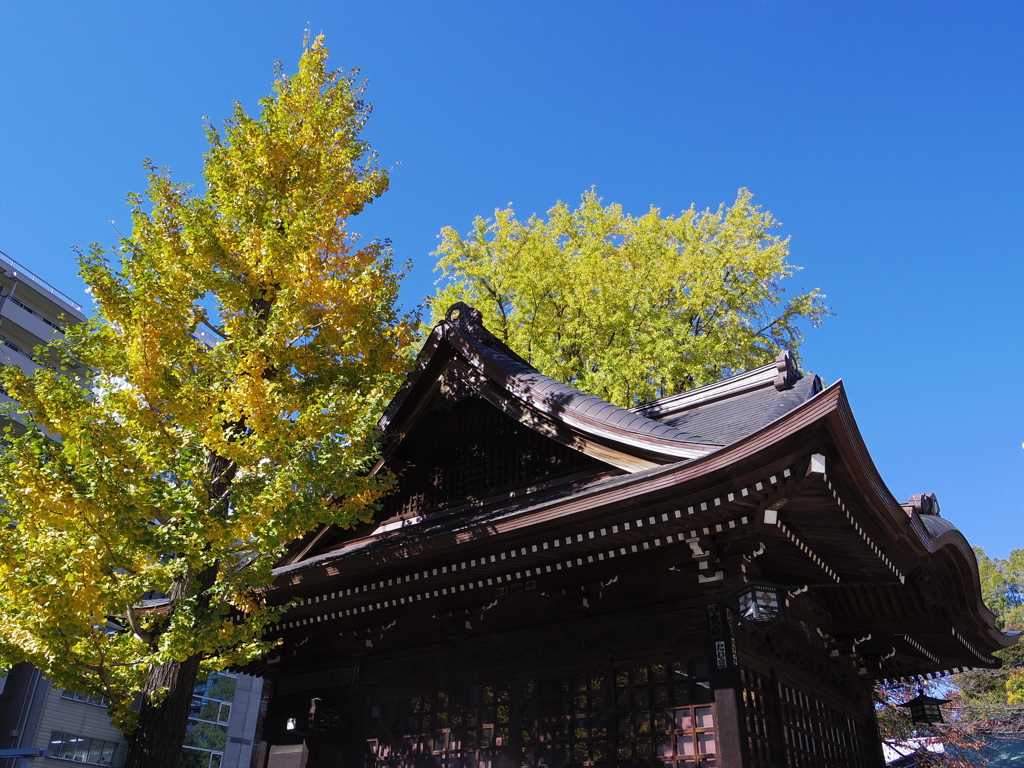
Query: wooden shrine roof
x=762, y=468
x=624, y=438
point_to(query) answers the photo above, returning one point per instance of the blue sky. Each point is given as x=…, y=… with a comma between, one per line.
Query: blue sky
x=887, y=137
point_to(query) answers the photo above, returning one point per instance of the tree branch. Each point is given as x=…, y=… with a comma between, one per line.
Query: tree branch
x=137, y=629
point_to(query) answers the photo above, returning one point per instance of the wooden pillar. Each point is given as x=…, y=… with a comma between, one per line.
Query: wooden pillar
x=730, y=731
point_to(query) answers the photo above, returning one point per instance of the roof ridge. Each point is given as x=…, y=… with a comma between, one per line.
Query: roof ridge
x=782, y=373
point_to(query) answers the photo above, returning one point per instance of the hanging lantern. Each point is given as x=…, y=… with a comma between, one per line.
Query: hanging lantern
x=760, y=601
x=925, y=710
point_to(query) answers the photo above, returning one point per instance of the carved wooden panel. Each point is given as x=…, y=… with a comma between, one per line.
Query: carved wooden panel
x=783, y=649
x=559, y=646
x=465, y=449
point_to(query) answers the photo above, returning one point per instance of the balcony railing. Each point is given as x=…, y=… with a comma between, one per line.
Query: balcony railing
x=22, y=272
x=11, y=345
x=27, y=308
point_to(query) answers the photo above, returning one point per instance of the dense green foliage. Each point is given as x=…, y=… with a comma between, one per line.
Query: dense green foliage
x=1002, y=587
x=188, y=458
x=630, y=308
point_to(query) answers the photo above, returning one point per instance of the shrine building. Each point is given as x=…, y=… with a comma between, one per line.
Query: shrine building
x=713, y=580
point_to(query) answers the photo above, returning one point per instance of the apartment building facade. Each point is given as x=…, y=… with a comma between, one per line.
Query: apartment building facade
x=32, y=312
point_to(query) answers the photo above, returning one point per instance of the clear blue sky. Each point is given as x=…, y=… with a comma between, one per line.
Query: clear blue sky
x=887, y=137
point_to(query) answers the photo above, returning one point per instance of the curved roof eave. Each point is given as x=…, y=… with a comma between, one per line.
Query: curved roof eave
x=948, y=542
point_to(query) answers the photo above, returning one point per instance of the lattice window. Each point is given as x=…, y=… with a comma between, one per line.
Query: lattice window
x=472, y=452
x=788, y=727
x=449, y=729
x=658, y=715
x=565, y=721
x=816, y=735
x=691, y=738
x=761, y=719
x=664, y=715
x=812, y=734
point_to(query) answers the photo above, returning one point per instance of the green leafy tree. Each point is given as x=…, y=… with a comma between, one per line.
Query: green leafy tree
x=192, y=464
x=1002, y=586
x=630, y=308
x=997, y=695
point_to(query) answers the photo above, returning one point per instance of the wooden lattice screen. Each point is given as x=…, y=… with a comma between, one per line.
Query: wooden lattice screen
x=445, y=729
x=657, y=715
x=471, y=452
x=789, y=728
x=665, y=716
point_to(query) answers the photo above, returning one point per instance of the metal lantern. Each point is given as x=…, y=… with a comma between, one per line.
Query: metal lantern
x=925, y=710
x=760, y=601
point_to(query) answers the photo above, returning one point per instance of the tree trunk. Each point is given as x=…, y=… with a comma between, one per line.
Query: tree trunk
x=156, y=741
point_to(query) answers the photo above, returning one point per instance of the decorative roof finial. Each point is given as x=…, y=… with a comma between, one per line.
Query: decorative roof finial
x=469, y=320
x=924, y=504
x=788, y=370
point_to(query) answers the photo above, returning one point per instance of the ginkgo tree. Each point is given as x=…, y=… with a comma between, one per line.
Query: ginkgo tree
x=631, y=308
x=182, y=466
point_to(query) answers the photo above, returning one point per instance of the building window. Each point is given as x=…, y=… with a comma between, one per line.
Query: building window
x=207, y=733
x=99, y=701
x=66, y=746
x=200, y=758
x=664, y=714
